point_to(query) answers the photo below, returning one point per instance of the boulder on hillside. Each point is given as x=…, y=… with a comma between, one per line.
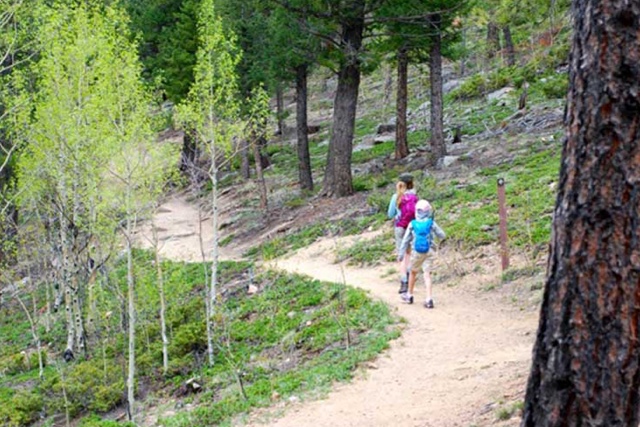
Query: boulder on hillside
x=451, y=85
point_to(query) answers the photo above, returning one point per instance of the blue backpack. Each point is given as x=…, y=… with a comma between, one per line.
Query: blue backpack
x=421, y=231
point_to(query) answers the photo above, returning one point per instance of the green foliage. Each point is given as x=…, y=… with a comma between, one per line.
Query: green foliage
x=20, y=409
x=168, y=42
x=96, y=421
x=469, y=213
x=297, y=318
x=370, y=252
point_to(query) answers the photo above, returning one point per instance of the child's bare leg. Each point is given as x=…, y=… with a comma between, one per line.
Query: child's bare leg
x=412, y=281
x=406, y=262
x=427, y=282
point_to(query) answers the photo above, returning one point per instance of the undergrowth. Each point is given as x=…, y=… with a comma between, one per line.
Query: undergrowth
x=295, y=335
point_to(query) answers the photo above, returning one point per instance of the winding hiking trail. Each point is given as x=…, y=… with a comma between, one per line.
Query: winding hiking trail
x=452, y=366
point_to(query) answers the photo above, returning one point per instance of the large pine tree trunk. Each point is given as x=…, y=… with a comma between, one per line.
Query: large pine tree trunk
x=402, y=146
x=438, y=147
x=508, y=44
x=586, y=367
x=337, y=178
x=304, y=159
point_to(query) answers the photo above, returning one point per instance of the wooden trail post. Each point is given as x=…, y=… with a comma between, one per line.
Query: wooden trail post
x=502, y=211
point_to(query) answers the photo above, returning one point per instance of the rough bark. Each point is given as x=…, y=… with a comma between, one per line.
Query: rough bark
x=304, y=159
x=245, y=165
x=586, y=366
x=262, y=185
x=189, y=152
x=280, y=110
x=337, y=178
x=402, y=146
x=508, y=45
x=493, y=39
x=438, y=147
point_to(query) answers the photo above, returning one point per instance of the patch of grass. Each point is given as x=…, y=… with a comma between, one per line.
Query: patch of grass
x=385, y=149
x=506, y=413
x=469, y=212
x=295, y=318
x=369, y=252
x=514, y=273
x=296, y=239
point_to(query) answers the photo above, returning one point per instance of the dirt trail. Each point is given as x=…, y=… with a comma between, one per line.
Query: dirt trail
x=452, y=366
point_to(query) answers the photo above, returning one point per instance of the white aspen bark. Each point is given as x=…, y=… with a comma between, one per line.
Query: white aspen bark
x=68, y=306
x=163, y=322
x=47, y=316
x=132, y=324
x=213, y=175
x=36, y=338
x=207, y=299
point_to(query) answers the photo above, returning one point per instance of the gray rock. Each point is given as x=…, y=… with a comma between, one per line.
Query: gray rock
x=500, y=93
x=447, y=161
x=450, y=85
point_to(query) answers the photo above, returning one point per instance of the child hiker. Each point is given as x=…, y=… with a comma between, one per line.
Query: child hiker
x=402, y=210
x=419, y=232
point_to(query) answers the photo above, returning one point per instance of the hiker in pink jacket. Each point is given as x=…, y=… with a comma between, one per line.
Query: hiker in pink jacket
x=402, y=209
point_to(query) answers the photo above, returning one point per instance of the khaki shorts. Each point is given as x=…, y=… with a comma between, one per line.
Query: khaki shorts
x=399, y=235
x=421, y=261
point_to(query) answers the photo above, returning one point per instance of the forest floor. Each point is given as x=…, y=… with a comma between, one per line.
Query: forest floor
x=464, y=363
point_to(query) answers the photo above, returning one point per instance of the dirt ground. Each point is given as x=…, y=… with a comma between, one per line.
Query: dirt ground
x=456, y=365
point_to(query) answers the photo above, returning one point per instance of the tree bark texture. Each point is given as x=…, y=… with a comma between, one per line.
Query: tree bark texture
x=262, y=185
x=493, y=39
x=304, y=159
x=245, y=165
x=508, y=45
x=189, y=152
x=438, y=147
x=586, y=366
x=402, y=146
x=280, y=109
x=337, y=178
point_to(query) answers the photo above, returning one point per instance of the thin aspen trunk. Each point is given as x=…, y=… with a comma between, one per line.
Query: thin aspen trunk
x=132, y=324
x=64, y=396
x=163, y=322
x=77, y=314
x=36, y=338
x=68, y=306
x=213, y=175
x=206, y=281
x=47, y=319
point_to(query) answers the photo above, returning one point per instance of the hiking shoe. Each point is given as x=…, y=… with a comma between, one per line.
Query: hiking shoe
x=404, y=287
x=428, y=304
x=407, y=298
